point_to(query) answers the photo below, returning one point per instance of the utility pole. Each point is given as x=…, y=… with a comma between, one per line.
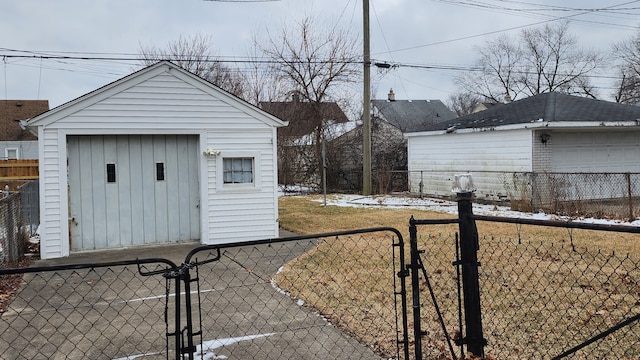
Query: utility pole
x=366, y=112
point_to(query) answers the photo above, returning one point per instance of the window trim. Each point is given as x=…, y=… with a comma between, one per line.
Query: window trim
x=231, y=187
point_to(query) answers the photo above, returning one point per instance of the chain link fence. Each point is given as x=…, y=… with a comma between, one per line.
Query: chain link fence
x=599, y=195
x=322, y=297
x=19, y=219
x=89, y=312
x=30, y=194
x=12, y=234
x=541, y=296
x=543, y=292
x=345, y=181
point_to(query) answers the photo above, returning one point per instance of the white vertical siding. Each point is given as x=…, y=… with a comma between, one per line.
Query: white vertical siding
x=439, y=157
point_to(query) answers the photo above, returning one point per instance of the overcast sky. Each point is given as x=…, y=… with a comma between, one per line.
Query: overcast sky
x=440, y=34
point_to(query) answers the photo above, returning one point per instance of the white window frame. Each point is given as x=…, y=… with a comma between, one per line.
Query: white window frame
x=7, y=150
x=239, y=187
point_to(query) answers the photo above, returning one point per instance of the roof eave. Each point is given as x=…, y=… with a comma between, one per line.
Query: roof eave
x=533, y=125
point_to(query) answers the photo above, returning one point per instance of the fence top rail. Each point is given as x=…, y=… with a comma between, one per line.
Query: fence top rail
x=562, y=224
x=413, y=221
x=34, y=269
x=460, y=171
x=300, y=237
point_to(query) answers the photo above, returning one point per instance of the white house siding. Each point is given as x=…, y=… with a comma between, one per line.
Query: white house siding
x=25, y=149
x=434, y=159
x=163, y=101
x=240, y=212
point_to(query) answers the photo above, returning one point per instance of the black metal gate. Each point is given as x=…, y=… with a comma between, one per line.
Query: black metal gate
x=540, y=299
x=295, y=297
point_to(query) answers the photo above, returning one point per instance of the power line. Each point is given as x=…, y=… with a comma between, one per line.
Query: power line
x=552, y=19
x=380, y=63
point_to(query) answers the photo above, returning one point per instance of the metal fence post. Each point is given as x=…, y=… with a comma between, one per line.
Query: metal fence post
x=629, y=196
x=415, y=286
x=470, y=284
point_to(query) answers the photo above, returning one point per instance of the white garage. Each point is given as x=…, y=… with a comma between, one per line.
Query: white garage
x=160, y=156
x=545, y=133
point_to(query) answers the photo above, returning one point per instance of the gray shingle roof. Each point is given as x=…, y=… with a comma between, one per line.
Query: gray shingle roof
x=12, y=111
x=413, y=115
x=549, y=107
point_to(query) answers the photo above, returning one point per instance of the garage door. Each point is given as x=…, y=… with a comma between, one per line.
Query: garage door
x=612, y=151
x=132, y=190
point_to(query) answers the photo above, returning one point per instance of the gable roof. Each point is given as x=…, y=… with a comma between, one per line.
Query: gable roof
x=147, y=73
x=412, y=115
x=13, y=111
x=543, y=109
x=301, y=114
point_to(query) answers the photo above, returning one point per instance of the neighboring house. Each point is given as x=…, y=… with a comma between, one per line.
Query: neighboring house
x=302, y=116
x=550, y=132
x=156, y=157
x=15, y=141
x=390, y=119
x=301, y=140
x=410, y=115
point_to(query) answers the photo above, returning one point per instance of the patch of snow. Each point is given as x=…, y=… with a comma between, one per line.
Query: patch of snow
x=451, y=207
x=207, y=347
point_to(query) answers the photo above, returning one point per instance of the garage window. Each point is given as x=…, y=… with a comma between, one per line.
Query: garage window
x=111, y=173
x=160, y=171
x=238, y=170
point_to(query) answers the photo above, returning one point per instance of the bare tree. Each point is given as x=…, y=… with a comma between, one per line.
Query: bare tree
x=262, y=82
x=315, y=63
x=541, y=60
x=627, y=54
x=195, y=55
x=463, y=103
x=496, y=71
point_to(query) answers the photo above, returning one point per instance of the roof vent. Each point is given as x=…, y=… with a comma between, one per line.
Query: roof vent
x=507, y=98
x=391, y=96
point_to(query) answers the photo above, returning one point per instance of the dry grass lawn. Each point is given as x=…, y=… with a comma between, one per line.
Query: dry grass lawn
x=530, y=287
x=303, y=215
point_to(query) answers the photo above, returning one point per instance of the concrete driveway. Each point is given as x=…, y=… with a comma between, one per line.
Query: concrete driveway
x=115, y=313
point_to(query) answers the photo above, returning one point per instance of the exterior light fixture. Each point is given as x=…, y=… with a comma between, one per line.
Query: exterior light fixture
x=463, y=183
x=544, y=138
x=211, y=152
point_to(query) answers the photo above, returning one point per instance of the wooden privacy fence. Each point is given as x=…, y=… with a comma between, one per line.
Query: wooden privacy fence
x=12, y=171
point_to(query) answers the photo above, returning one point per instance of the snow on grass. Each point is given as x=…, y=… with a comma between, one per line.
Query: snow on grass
x=451, y=207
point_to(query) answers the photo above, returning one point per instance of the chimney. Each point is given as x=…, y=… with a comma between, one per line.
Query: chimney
x=295, y=96
x=391, y=96
x=507, y=98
